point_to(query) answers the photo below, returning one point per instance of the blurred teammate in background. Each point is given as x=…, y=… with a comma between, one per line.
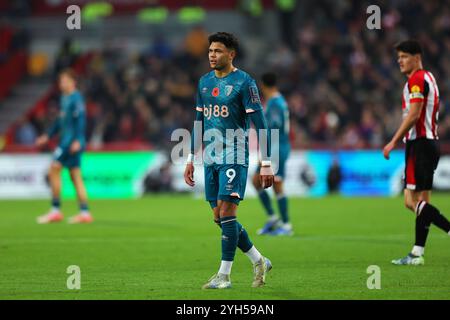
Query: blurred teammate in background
x=420, y=104
x=70, y=125
x=227, y=99
x=277, y=115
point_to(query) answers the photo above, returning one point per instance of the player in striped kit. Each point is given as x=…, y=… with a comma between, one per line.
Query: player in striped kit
x=420, y=104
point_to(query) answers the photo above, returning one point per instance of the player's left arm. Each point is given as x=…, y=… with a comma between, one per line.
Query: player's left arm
x=196, y=139
x=79, y=118
x=52, y=131
x=262, y=128
x=407, y=123
x=417, y=91
x=253, y=107
x=265, y=148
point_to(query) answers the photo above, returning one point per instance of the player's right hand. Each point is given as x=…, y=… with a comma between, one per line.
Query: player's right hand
x=42, y=140
x=266, y=176
x=189, y=174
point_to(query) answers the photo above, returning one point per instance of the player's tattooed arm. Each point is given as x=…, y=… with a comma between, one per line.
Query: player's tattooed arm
x=407, y=123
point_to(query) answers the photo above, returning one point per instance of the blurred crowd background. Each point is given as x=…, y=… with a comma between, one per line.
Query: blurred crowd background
x=341, y=80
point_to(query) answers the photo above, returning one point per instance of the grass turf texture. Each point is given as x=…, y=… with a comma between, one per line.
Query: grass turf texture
x=166, y=247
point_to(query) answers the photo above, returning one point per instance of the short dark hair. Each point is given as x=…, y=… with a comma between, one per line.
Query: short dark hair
x=269, y=79
x=227, y=39
x=409, y=46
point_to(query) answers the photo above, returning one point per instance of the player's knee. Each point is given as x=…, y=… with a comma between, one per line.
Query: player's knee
x=278, y=188
x=227, y=209
x=55, y=168
x=74, y=173
x=216, y=214
x=414, y=204
x=223, y=211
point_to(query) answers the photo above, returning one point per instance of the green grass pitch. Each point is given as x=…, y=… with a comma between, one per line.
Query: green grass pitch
x=166, y=247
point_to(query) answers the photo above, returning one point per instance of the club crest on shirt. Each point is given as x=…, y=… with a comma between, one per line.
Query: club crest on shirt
x=228, y=90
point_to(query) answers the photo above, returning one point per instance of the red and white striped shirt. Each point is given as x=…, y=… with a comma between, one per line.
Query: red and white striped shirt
x=421, y=87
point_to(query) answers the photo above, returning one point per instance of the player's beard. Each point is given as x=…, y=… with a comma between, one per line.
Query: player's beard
x=219, y=67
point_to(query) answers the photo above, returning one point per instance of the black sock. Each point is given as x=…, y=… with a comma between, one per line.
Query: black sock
x=422, y=229
x=432, y=215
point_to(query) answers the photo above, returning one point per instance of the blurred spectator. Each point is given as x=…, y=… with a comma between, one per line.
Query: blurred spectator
x=20, y=8
x=160, y=49
x=159, y=181
x=197, y=42
x=286, y=9
x=12, y=39
x=66, y=56
x=25, y=133
x=6, y=35
x=341, y=80
x=334, y=177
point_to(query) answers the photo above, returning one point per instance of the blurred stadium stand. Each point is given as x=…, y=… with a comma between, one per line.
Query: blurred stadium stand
x=139, y=62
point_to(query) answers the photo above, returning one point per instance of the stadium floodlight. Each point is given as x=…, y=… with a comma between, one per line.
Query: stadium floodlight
x=191, y=14
x=153, y=15
x=286, y=5
x=253, y=7
x=93, y=11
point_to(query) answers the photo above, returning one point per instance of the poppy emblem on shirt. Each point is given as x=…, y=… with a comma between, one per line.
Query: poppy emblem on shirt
x=215, y=92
